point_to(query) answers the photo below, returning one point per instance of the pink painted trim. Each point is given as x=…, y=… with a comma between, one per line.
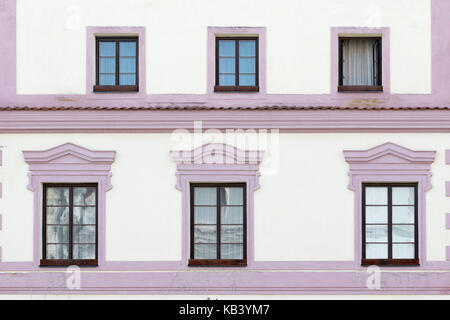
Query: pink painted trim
x=390, y=163
x=1, y=157
x=69, y=163
x=447, y=188
x=447, y=253
x=166, y=121
x=216, y=163
x=447, y=220
x=214, y=32
x=384, y=33
x=91, y=33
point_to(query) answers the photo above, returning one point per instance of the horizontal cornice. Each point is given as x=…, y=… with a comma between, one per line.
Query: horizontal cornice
x=306, y=120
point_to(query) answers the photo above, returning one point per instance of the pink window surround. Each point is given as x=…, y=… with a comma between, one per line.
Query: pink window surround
x=390, y=163
x=214, y=32
x=216, y=163
x=91, y=34
x=384, y=33
x=69, y=163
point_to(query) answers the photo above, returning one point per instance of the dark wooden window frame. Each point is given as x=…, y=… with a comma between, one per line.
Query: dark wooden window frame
x=376, y=88
x=117, y=87
x=390, y=261
x=217, y=262
x=237, y=87
x=67, y=262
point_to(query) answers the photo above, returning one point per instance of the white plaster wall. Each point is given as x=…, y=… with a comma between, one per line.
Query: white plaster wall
x=51, y=53
x=303, y=211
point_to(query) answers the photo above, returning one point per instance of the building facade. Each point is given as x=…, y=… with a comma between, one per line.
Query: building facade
x=214, y=148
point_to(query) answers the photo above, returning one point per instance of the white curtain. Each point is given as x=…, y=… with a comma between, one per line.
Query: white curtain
x=360, y=62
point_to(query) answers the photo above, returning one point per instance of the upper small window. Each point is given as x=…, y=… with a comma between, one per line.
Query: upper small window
x=117, y=64
x=390, y=228
x=360, y=64
x=237, y=64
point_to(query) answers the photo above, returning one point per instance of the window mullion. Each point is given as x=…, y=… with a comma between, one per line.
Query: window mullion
x=237, y=62
x=117, y=63
x=219, y=223
x=71, y=223
x=390, y=222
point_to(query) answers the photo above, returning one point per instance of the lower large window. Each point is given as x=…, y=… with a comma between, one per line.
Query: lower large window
x=70, y=225
x=218, y=225
x=390, y=228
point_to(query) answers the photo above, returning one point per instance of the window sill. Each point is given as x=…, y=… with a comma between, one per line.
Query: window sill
x=66, y=263
x=360, y=89
x=116, y=88
x=391, y=263
x=217, y=263
x=236, y=89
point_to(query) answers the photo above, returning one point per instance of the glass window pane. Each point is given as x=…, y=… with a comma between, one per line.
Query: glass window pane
x=227, y=65
x=58, y=215
x=376, y=195
x=232, y=215
x=227, y=80
x=403, y=215
x=205, y=234
x=403, y=233
x=84, y=196
x=205, y=196
x=232, y=234
x=232, y=251
x=231, y=196
x=247, y=80
x=58, y=196
x=358, y=62
x=107, y=48
x=127, y=80
x=205, y=215
x=247, y=65
x=377, y=215
x=57, y=234
x=376, y=233
x=127, y=48
x=247, y=48
x=84, y=234
x=107, y=65
x=57, y=251
x=403, y=195
x=205, y=251
x=227, y=48
x=84, y=251
x=127, y=65
x=107, y=80
x=403, y=251
x=376, y=251
x=84, y=215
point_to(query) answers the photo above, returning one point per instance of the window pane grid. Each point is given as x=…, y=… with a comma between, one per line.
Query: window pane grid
x=71, y=244
x=229, y=237
x=124, y=59
x=402, y=229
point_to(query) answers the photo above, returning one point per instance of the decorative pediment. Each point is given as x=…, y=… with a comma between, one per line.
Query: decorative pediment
x=69, y=153
x=389, y=153
x=217, y=153
x=216, y=162
x=389, y=162
x=69, y=160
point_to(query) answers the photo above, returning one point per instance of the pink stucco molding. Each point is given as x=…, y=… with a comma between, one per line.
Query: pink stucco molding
x=214, y=32
x=384, y=33
x=69, y=163
x=216, y=163
x=390, y=163
x=91, y=34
